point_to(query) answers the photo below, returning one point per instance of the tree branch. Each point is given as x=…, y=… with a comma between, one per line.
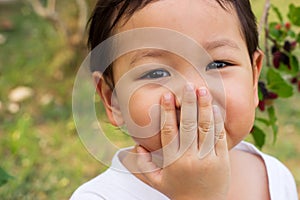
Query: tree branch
x=264, y=16
x=51, y=5
x=50, y=14
x=83, y=15
x=264, y=26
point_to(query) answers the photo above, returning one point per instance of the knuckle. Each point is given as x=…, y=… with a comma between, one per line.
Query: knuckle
x=205, y=127
x=221, y=135
x=188, y=125
x=205, y=104
x=168, y=130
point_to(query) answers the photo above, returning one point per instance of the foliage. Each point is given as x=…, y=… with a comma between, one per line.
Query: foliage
x=4, y=177
x=282, y=76
x=38, y=142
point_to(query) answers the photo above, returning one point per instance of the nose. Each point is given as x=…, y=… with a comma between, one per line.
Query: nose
x=198, y=77
x=190, y=75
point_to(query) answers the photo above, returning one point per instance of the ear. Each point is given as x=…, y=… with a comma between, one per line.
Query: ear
x=257, y=64
x=109, y=100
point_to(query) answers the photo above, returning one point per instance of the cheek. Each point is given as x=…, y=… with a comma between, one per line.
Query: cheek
x=240, y=110
x=143, y=118
x=144, y=108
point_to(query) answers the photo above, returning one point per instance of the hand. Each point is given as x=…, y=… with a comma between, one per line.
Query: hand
x=190, y=171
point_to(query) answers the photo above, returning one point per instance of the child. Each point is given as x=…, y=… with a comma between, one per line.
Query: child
x=193, y=147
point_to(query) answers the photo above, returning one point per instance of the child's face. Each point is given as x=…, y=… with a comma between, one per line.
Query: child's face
x=216, y=30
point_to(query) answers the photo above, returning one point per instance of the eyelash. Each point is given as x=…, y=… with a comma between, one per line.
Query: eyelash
x=217, y=65
x=156, y=74
x=160, y=73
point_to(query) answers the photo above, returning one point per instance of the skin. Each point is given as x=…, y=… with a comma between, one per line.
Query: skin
x=241, y=98
x=211, y=177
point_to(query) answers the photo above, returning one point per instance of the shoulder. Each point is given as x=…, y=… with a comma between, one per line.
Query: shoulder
x=281, y=183
x=112, y=179
x=116, y=183
x=112, y=184
x=249, y=176
x=95, y=188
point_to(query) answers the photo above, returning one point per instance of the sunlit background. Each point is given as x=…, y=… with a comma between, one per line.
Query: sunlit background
x=41, y=49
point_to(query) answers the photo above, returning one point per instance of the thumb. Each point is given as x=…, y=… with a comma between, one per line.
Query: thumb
x=148, y=168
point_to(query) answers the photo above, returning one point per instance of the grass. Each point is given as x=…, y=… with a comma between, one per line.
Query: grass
x=39, y=144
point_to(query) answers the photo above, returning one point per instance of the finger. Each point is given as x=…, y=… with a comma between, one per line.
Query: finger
x=188, y=119
x=220, y=133
x=169, y=130
x=205, y=123
x=146, y=167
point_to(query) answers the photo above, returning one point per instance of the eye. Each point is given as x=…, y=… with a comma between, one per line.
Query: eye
x=217, y=65
x=155, y=74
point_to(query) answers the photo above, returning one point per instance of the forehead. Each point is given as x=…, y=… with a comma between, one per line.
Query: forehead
x=205, y=21
x=199, y=19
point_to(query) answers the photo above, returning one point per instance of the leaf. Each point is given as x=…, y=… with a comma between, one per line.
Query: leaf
x=273, y=122
x=262, y=120
x=277, y=12
x=292, y=34
x=276, y=34
x=283, y=68
x=260, y=94
x=4, y=177
x=294, y=14
x=298, y=38
x=294, y=65
x=259, y=137
x=278, y=85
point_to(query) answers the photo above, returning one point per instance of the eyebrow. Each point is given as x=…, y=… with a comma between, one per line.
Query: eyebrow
x=208, y=46
x=211, y=45
x=153, y=53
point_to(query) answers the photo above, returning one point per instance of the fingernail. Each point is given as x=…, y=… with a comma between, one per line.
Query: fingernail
x=189, y=87
x=203, y=92
x=167, y=97
x=216, y=109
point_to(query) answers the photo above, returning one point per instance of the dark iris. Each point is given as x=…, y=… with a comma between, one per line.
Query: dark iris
x=155, y=74
x=216, y=65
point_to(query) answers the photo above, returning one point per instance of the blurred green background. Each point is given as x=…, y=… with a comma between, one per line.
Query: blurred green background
x=39, y=145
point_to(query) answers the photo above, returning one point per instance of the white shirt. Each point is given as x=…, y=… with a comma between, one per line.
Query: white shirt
x=121, y=184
